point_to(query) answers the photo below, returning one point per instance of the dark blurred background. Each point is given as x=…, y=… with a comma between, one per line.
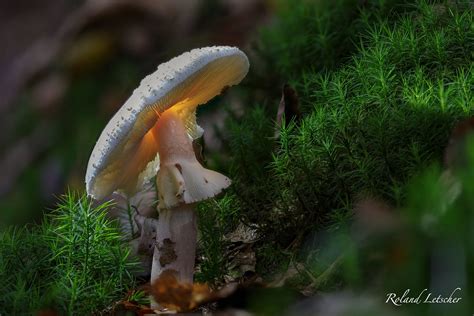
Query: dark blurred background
x=68, y=65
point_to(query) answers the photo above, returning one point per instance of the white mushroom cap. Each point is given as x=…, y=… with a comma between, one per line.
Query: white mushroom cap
x=127, y=145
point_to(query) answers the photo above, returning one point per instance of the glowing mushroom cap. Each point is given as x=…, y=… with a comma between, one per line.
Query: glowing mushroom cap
x=127, y=144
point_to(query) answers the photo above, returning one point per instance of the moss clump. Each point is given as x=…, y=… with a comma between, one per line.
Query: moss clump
x=74, y=263
x=216, y=218
x=374, y=113
x=379, y=118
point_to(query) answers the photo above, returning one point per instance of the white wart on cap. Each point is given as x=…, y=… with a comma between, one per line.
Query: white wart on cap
x=128, y=143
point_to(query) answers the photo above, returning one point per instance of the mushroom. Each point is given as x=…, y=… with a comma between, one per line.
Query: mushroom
x=155, y=127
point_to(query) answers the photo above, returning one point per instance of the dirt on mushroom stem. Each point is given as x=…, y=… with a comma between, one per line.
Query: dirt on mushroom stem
x=175, y=247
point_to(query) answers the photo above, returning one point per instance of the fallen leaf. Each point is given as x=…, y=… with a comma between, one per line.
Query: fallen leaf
x=184, y=297
x=243, y=233
x=240, y=253
x=242, y=261
x=176, y=296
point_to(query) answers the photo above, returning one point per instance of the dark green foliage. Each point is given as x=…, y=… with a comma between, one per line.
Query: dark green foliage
x=75, y=262
x=24, y=272
x=251, y=142
x=216, y=218
x=375, y=121
x=377, y=110
x=313, y=35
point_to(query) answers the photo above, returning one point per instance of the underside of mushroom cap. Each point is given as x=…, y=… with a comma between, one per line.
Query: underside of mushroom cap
x=128, y=144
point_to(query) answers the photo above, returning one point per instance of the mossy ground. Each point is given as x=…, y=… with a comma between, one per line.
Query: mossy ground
x=75, y=263
x=381, y=85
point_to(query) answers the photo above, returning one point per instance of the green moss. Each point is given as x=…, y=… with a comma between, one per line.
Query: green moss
x=216, y=218
x=376, y=110
x=374, y=122
x=74, y=263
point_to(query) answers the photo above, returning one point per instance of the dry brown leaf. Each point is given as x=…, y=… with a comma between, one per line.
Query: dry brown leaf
x=176, y=296
x=243, y=233
x=183, y=297
x=240, y=253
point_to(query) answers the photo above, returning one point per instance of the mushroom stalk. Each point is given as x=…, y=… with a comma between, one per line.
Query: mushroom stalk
x=181, y=182
x=175, y=247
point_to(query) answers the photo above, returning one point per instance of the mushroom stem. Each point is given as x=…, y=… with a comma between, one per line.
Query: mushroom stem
x=181, y=182
x=175, y=247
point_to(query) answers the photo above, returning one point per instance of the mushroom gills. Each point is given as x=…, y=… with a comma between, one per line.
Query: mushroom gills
x=188, y=182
